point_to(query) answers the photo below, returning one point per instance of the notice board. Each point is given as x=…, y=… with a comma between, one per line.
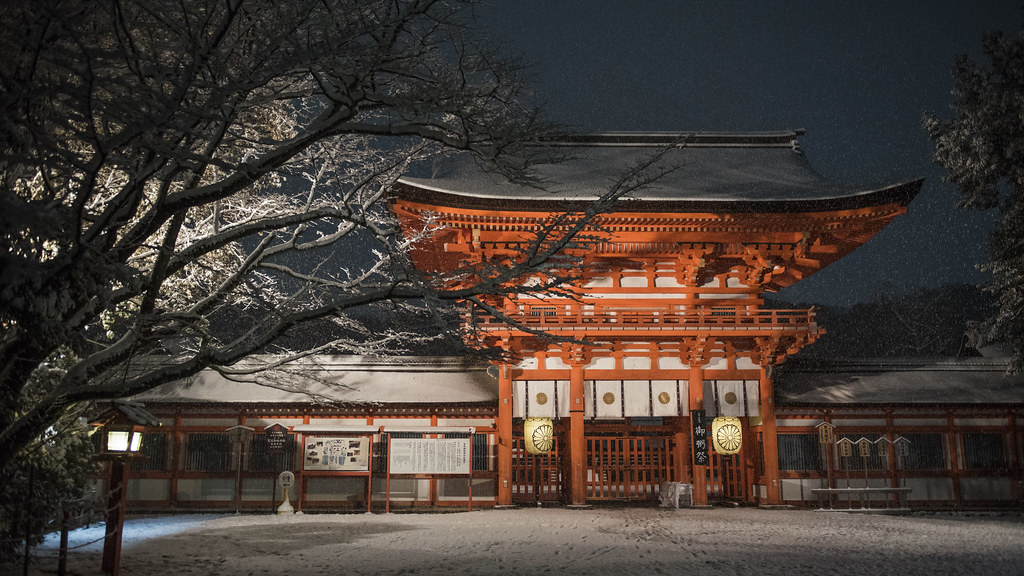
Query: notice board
x=345, y=454
x=429, y=456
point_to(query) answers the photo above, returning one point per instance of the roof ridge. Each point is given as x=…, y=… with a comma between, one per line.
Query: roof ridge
x=620, y=138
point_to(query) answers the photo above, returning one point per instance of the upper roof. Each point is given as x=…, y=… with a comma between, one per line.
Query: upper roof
x=763, y=171
x=341, y=380
x=801, y=382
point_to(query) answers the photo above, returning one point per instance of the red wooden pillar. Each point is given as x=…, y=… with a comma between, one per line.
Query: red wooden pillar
x=504, y=433
x=1018, y=478
x=953, y=442
x=771, y=441
x=682, y=456
x=577, y=445
x=700, y=488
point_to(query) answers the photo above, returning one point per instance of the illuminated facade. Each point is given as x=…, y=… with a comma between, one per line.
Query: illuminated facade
x=667, y=324
x=668, y=315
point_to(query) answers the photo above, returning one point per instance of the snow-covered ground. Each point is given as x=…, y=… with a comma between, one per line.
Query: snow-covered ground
x=597, y=541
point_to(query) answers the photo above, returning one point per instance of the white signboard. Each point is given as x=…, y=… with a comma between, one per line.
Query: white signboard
x=430, y=456
x=349, y=454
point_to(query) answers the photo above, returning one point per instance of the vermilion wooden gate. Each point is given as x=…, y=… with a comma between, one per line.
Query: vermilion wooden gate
x=618, y=468
x=726, y=482
x=731, y=476
x=536, y=478
x=627, y=468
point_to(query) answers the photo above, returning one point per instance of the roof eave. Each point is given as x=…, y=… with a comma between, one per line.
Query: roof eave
x=901, y=193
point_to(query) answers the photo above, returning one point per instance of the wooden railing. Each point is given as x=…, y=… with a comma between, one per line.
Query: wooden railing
x=737, y=320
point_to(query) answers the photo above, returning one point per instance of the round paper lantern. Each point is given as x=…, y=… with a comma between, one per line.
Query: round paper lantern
x=539, y=435
x=727, y=434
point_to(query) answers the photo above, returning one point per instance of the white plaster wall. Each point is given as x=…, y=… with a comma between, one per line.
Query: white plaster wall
x=555, y=363
x=636, y=363
x=601, y=363
x=800, y=488
x=206, y=489
x=929, y=488
x=671, y=363
x=633, y=282
x=986, y=488
x=257, y=488
x=148, y=488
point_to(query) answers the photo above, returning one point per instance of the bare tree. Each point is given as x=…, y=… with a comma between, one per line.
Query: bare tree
x=190, y=179
x=188, y=182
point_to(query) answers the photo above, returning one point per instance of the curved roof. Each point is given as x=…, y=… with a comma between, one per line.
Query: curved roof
x=763, y=171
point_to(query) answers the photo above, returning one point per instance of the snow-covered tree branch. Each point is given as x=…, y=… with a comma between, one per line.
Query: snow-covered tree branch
x=189, y=181
x=185, y=184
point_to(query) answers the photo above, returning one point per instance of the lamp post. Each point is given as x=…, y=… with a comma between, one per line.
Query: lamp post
x=119, y=444
x=239, y=436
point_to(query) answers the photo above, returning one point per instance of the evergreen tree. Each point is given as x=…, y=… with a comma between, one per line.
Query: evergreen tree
x=982, y=151
x=49, y=476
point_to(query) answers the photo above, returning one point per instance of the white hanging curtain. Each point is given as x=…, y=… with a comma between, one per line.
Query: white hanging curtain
x=669, y=397
x=636, y=397
x=732, y=398
x=608, y=398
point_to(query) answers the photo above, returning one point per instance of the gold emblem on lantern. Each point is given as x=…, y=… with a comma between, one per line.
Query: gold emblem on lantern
x=608, y=398
x=542, y=398
x=664, y=397
x=539, y=435
x=727, y=434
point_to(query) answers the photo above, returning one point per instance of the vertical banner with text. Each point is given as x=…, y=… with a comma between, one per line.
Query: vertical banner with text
x=700, y=438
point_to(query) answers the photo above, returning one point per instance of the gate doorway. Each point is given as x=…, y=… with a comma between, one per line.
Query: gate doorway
x=731, y=476
x=536, y=478
x=618, y=467
x=727, y=478
x=627, y=468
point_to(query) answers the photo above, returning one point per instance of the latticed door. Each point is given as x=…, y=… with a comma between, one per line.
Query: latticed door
x=627, y=468
x=536, y=478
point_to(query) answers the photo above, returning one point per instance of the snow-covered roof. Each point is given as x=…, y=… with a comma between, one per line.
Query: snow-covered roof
x=762, y=171
x=801, y=382
x=343, y=380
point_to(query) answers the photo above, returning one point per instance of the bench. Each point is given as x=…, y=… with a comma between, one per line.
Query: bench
x=825, y=496
x=671, y=493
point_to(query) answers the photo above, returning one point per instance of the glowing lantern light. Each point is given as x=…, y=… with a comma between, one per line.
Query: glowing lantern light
x=727, y=434
x=539, y=434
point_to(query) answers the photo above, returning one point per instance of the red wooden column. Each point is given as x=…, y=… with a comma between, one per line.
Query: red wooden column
x=1017, y=470
x=504, y=432
x=577, y=445
x=771, y=441
x=696, y=387
x=682, y=455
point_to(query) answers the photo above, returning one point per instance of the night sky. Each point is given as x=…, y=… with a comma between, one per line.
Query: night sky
x=858, y=76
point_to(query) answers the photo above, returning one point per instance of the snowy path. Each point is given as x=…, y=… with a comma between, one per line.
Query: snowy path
x=619, y=542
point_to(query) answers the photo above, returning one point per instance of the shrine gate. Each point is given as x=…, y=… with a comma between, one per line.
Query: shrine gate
x=664, y=318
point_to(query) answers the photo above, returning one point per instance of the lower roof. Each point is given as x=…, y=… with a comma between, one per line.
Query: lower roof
x=340, y=380
x=801, y=382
